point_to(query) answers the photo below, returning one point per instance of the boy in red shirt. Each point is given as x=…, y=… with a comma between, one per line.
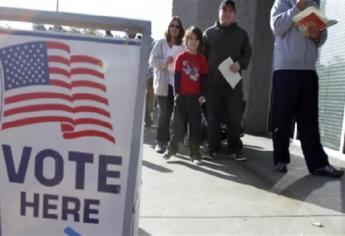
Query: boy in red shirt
x=190, y=84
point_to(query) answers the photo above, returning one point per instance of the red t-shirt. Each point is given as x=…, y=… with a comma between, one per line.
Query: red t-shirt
x=191, y=67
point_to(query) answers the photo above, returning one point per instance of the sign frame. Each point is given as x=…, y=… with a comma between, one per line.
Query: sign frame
x=131, y=214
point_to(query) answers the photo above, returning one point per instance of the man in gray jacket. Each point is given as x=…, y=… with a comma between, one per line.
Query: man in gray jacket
x=295, y=88
x=223, y=40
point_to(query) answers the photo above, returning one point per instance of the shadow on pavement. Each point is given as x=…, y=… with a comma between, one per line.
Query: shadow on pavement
x=258, y=171
x=143, y=232
x=156, y=167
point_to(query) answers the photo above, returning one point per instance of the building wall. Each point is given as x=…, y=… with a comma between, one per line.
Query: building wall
x=253, y=16
x=259, y=86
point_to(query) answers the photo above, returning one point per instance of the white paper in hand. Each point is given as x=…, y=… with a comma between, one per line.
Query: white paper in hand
x=173, y=52
x=230, y=77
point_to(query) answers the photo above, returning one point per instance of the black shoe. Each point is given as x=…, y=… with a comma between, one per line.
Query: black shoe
x=281, y=167
x=160, y=148
x=328, y=171
x=211, y=154
x=236, y=155
x=239, y=156
x=242, y=133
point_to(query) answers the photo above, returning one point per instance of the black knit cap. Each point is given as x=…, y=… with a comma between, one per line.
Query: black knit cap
x=227, y=2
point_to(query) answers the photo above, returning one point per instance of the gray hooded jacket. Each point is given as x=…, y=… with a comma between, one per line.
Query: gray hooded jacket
x=292, y=50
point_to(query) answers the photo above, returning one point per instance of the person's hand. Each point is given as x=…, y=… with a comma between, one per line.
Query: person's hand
x=313, y=33
x=202, y=100
x=169, y=60
x=301, y=4
x=235, y=67
x=176, y=96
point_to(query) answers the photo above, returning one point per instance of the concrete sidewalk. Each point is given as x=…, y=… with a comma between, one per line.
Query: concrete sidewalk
x=224, y=197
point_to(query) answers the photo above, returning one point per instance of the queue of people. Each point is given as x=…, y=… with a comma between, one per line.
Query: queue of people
x=186, y=74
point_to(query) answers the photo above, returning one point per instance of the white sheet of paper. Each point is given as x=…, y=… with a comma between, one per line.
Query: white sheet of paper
x=173, y=52
x=230, y=77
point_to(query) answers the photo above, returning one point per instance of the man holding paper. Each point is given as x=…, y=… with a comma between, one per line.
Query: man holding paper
x=295, y=88
x=228, y=52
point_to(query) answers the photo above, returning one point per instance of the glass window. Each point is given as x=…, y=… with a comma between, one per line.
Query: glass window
x=331, y=71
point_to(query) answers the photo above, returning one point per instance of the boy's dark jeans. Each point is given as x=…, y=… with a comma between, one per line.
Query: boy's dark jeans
x=186, y=111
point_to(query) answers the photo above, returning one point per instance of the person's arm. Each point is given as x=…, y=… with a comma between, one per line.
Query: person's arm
x=281, y=17
x=246, y=53
x=203, y=78
x=317, y=36
x=323, y=38
x=177, y=82
x=324, y=34
x=177, y=75
x=205, y=41
x=203, y=84
x=157, y=59
x=313, y=32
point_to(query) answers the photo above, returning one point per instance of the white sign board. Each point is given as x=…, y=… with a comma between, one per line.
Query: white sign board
x=66, y=125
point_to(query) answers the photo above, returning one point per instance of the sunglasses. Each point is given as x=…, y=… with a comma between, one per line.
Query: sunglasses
x=174, y=26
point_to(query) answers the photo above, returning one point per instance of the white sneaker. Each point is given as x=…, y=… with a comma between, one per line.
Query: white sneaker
x=197, y=162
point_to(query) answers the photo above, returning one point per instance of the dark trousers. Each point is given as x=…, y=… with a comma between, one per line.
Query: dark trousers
x=187, y=110
x=223, y=99
x=295, y=95
x=166, y=105
x=148, y=119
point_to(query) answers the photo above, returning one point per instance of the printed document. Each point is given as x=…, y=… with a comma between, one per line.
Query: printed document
x=230, y=77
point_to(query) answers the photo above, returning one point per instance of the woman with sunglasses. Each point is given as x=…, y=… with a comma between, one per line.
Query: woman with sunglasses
x=162, y=60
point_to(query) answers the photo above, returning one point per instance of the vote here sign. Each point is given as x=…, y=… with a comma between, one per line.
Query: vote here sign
x=66, y=123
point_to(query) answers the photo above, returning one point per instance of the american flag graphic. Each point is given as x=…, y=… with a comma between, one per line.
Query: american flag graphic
x=44, y=82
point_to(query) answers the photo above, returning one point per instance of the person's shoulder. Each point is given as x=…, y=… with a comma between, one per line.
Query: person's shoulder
x=160, y=41
x=210, y=29
x=241, y=30
x=183, y=54
x=284, y=4
x=202, y=56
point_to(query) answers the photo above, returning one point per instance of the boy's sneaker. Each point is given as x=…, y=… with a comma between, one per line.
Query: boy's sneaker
x=328, y=171
x=197, y=162
x=167, y=154
x=196, y=159
x=160, y=148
